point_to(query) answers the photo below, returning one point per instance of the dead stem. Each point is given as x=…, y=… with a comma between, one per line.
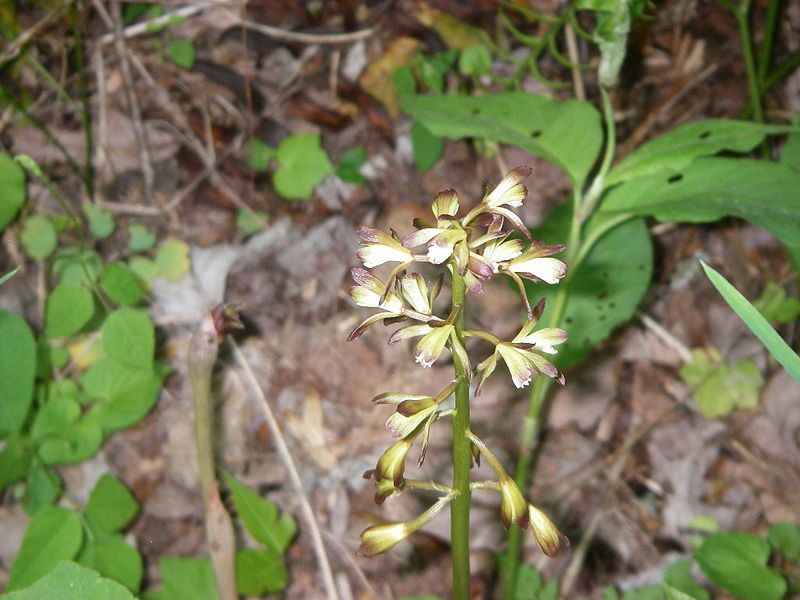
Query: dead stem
x=286, y=457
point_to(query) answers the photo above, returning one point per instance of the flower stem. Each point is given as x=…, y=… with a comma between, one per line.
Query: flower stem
x=462, y=458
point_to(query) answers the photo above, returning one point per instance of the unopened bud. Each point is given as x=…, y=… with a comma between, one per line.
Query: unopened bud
x=544, y=530
x=513, y=506
x=392, y=463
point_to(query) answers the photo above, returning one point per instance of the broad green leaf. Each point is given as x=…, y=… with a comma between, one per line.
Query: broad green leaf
x=144, y=268
x=776, y=345
x=112, y=557
x=475, y=61
x=648, y=592
x=434, y=68
x=259, y=155
x=349, y=168
x=303, y=164
x=62, y=435
x=129, y=338
x=260, y=572
x=76, y=267
x=403, y=80
x=12, y=192
x=121, y=284
x=603, y=291
x=172, y=259
x=531, y=585
x=69, y=581
x=53, y=534
x=764, y=193
x=720, y=387
x=110, y=506
x=785, y=538
x=737, y=561
x=790, y=155
x=187, y=579
x=68, y=308
x=569, y=133
x=42, y=488
x=182, y=53
x=776, y=306
x=261, y=517
x=140, y=238
x=680, y=585
x=677, y=149
x=38, y=237
x=250, y=222
x=126, y=394
x=17, y=371
x=8, y=276
x=427, y=147
x=15, y=458
x=101, y=223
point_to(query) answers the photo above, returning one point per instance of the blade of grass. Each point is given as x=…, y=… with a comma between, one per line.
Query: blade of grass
x=776, y=345
x=8, y=276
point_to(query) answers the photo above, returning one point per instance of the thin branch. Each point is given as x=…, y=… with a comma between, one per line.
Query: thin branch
x=294, y=475
x=15, y=47
x=307, y=38
x=156, y=23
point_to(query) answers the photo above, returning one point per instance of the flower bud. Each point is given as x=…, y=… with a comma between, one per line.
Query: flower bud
x=513, y=506
x=392, y=463
x=380, y=538
x=546, y=533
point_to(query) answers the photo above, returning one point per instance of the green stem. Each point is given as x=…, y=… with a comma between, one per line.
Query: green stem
x=83, y=84
x=462, y=458
x=203, y=351
x=577, y=249
x=741, y=13
x=765, y=54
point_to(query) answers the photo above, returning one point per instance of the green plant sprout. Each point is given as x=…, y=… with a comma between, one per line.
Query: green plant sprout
x=472, y=249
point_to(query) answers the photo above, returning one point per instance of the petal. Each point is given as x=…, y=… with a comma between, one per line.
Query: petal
x=518, y=365
x=396, y=398
x=367, y=323
x=545, y=339
x=549, y=270
x=373, y=255
x=430, y=347
x=445, y=203
x=486, y=367
x=423, y=236
x=502, y=251
x=457, y=348
x=415, y=291
x=509, y=190
x=409, y=332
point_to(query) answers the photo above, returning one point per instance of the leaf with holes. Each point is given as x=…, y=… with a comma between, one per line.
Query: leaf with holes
x=604, y=290
x=764, y=193
x=568, y=133
x=677, y=149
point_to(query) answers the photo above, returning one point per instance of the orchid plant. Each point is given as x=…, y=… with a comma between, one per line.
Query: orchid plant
x=471, y=249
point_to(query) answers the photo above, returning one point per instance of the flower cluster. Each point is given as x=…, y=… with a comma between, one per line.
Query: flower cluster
x=474, y=248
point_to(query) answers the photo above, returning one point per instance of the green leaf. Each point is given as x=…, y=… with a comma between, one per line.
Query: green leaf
x=250, y=222
x=69, y=581
x=427, y=147
x=434, y=68
x=12, y=192
x=648, y=592
x=62, y=436
x=260, y=572
x=677, y=149
x=680, y=585
x=475, y=61
x=140, y=238
x=15, y=458
x=182, y=53
x=112, y=557
x=43, y=487
x=110, y=506
x=785, y=538
x=129, y=338
x=776, y=306
x=17, y=371
x=764, y=193
x=403, y=80
x=790, y=154
x=68, y=308
x=261, y=517
x=737, y=562
x=121, y=284
x=76, y=267
x=303, y=164
x=259, y=155
x=53, y=534
x=172, y=259
x=719, y=387
x=779, y=349
x=349, y=168
x=188, y=579
x=101, y=223
x=531, y=585
x=38, y=237
x=126, y=393
x=568, y=133
x=604, y=290
x=8, y=276
x=144, y=268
